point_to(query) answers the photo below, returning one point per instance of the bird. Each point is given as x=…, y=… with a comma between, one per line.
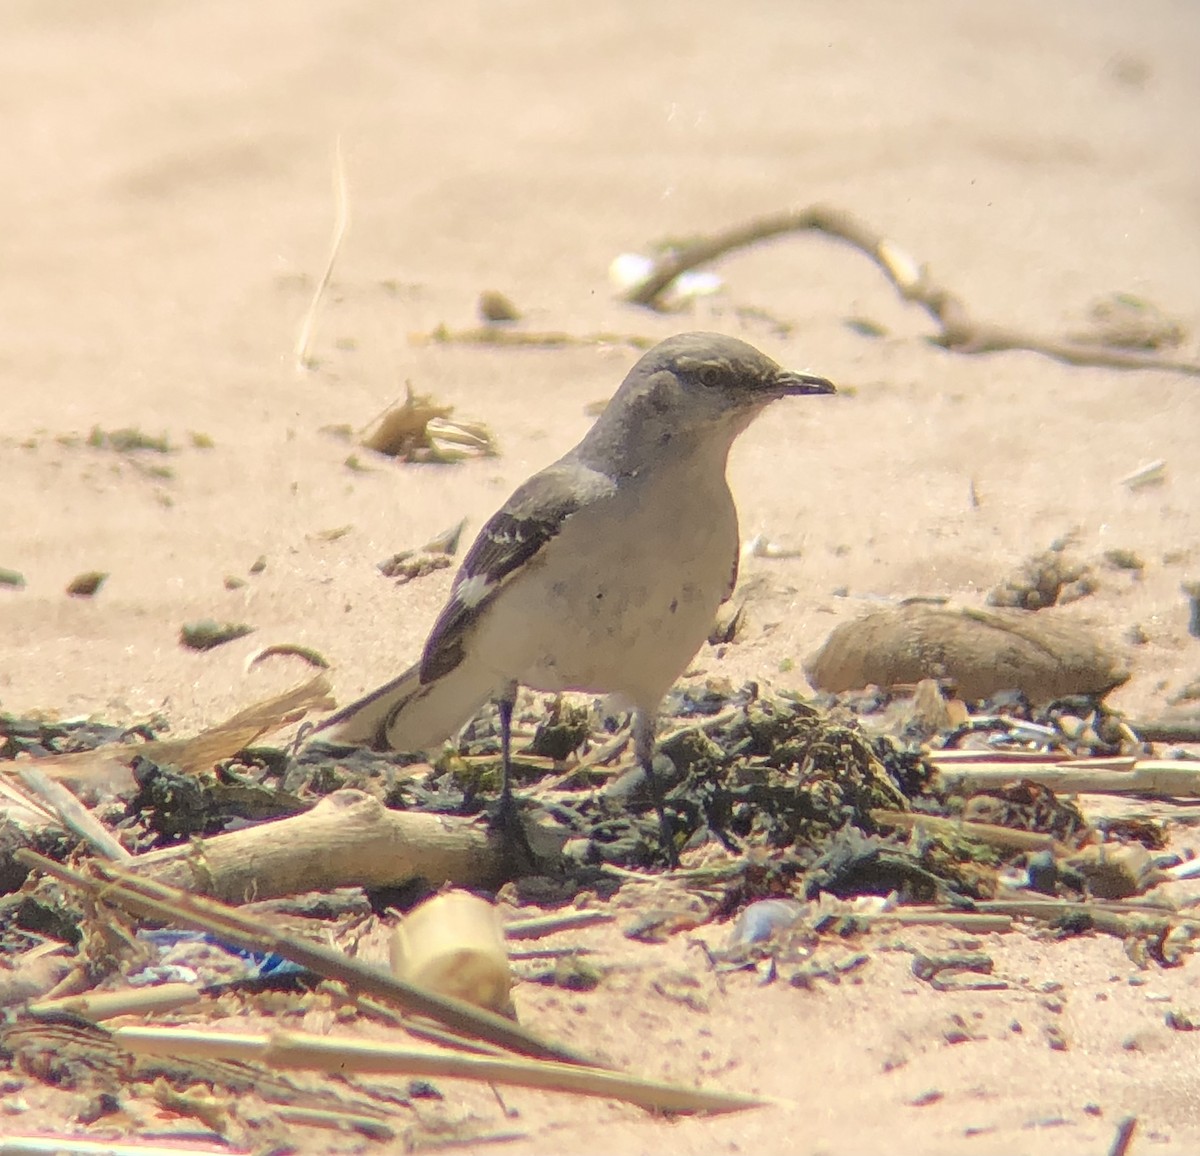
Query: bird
x=603, y=572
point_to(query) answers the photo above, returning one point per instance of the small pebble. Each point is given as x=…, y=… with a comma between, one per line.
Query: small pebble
x=1180, y=1022
x=926, y=1098
x=86, y=584
x=206, y=634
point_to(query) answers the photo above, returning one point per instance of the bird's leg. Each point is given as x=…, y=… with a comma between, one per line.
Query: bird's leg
x=506, y=704
x=644, y=724
x=510, y=819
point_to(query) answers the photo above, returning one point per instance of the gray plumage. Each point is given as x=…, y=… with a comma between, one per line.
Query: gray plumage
x=604, y=571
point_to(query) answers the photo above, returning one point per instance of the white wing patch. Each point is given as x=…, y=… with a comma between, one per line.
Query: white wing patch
x=471, y=592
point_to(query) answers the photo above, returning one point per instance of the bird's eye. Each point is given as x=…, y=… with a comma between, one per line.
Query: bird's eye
x=710, y=376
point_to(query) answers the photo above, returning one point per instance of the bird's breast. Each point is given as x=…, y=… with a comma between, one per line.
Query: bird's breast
x=622, y=598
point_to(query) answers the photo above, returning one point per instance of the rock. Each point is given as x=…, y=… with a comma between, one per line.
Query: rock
x=983, y=651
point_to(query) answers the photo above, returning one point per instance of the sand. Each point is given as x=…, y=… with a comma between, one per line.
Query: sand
x=168, y=208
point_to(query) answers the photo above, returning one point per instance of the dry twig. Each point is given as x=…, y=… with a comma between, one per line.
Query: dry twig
x=529, y=339
x=324, y=1053
x=341, y=221
x=958, y=330
x=73, y=814
x=1166, y=777
x=992, y=834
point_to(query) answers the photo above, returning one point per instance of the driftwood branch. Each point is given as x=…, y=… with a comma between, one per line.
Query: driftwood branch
x=958, y=330
x=349, y=839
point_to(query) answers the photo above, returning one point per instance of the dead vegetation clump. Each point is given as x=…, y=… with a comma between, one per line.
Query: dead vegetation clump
x=419, y=429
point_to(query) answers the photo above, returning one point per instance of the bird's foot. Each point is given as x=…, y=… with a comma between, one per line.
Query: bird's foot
x=666, y=837
x=516, y=840
x=661, y=773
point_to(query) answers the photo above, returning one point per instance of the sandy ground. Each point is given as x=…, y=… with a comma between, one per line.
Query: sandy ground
x=168, y=209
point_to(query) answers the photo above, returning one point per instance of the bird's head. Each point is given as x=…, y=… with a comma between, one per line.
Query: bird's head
x=698, y=385
x=710, y=365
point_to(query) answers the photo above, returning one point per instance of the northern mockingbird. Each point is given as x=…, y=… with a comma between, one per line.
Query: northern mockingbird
x=603, y=572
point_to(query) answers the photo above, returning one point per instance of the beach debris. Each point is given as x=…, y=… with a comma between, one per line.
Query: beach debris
x=419, y=429
x=1151, y=474
x=494, y=307
x=128, y=440
x=1123, y=321
x=13, y=579
x=763, y=919
x=207, y=633
x=957, y=971
x=563, y=731
x=86, y=584
x=729, y=624
x=1191, y=591
x=1051, y=578
x=504, y=337
x=629, y=271
x=289, y=649
x=436, y=554
x=454, y=944
x=332, y=533
x=1116, y=871
x=763, y=546
x=1119, y=558
x=1180, y=1021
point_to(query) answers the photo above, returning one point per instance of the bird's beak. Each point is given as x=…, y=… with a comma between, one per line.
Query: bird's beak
x=798, y=384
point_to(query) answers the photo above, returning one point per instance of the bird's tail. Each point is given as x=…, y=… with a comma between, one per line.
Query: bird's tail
x=407, y=715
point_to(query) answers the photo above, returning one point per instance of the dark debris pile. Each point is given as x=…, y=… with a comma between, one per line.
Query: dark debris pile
x=773, y=775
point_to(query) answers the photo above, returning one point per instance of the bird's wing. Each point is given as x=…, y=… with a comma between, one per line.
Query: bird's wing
x=511, y=539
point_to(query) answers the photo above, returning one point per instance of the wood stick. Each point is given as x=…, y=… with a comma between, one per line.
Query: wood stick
x=74, y=1146
x=1148, y=777
x=541, y=925
x=979, y=922
x=1123, y=919
x=73, y=814
x=954, y=759
x=992, y=834
x=97, y=1006
x=324, y=1053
